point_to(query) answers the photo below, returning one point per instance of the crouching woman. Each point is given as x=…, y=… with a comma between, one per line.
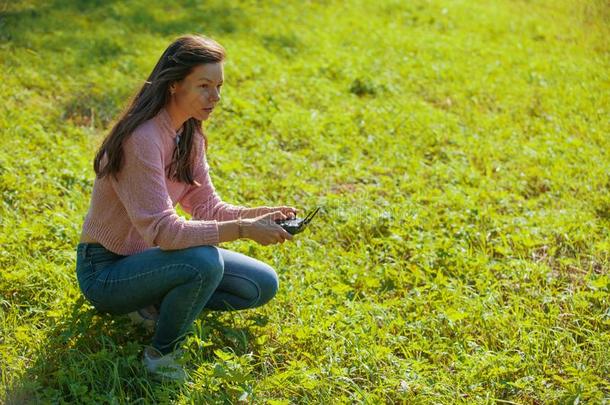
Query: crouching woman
x=136, y=255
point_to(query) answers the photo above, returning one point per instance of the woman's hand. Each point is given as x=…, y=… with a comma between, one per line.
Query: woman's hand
x=264, y=230
x=255, y=212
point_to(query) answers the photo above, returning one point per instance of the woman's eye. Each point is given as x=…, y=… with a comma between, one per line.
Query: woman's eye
x=205, y=86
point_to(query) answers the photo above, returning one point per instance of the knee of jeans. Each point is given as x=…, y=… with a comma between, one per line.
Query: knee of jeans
x=268, y=284
x=208, y=262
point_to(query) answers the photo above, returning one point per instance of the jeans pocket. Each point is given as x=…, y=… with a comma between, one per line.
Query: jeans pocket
x=99, y=264
x=100, y=258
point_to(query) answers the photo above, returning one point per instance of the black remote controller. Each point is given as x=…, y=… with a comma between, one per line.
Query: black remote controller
x=296, y=225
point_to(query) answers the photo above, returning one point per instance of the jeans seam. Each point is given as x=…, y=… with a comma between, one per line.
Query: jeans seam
x=144, y=274
x=196, y=295
x=183, y=321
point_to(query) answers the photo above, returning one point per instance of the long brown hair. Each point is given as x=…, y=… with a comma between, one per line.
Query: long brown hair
x=175, y=64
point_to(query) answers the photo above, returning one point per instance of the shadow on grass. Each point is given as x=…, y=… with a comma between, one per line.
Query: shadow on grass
x=90, y=357
x=47, y=20
x=74, y=38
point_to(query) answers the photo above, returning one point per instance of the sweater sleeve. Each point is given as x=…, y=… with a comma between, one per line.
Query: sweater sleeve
x=142, y=190
x=202, y=201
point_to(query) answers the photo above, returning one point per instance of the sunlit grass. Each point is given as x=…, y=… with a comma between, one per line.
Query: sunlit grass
x=458, y=149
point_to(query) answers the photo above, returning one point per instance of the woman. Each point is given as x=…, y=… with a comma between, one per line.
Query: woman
x=136, y=255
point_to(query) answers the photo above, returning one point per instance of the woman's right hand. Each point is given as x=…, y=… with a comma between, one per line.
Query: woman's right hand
x=264, y=230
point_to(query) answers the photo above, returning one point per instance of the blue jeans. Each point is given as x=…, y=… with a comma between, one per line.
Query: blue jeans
x=180, y=283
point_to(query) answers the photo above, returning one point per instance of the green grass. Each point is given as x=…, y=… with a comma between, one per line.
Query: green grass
x=460, y=152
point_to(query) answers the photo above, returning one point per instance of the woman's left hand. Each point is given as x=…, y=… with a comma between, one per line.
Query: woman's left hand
x=254, y=212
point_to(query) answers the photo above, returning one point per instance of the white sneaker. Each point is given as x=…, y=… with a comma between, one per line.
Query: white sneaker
x=146, y=317
x=166, y=367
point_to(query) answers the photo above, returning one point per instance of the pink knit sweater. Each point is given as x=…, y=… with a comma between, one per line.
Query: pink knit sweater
x=136, y=212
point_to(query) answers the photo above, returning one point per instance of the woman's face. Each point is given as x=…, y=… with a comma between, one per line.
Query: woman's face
x=197, y=94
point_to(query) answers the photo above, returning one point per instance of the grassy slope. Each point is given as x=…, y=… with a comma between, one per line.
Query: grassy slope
x=460, y=152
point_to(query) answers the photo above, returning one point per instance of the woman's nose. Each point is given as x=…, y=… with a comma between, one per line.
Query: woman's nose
x=215, y=95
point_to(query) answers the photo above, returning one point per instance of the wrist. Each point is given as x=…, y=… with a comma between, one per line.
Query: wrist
x=243, y=230
x=240, y=228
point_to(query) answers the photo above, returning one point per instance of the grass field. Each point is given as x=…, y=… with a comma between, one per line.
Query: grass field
x=460, y=152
